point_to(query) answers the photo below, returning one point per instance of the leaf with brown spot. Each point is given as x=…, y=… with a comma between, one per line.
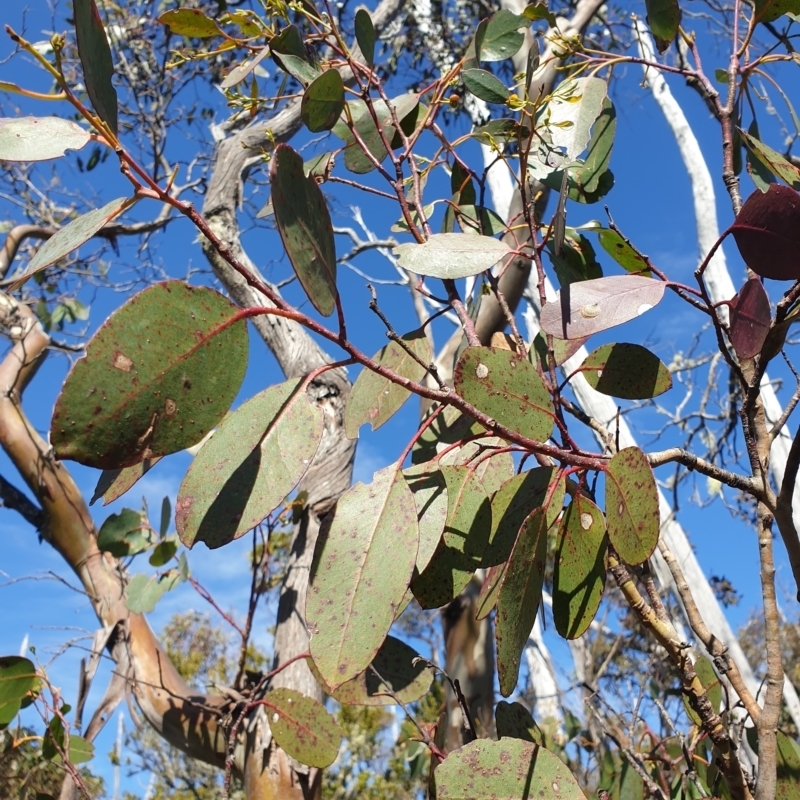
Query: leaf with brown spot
x=352, y=596
x=506, y=770
x=519, y=597
x=507, y=389
x=253, y=461
x=395, y=665
x=580, y=567
x=157, y=376
x=632, y=513
x=302, y=727
x=463, y=542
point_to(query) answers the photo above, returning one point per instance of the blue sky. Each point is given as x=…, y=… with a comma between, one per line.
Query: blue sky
x=651, y=203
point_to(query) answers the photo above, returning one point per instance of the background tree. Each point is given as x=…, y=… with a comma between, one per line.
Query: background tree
x=501, y=522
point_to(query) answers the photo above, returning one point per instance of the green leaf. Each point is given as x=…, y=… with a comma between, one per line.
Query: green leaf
x=124, y=534
x=451, y=255
x=571, y=113
x=166, y=516
x=252, y=462
x=113, y=483
x=39, y=138
x=143, y=592
x=500, y=130
x=465, y=536
x=407, y=110
x=485, y=86
x=591, y=180
x=576, y=260
x=303, y=728
x=664, y=18
x=71, y=237
x=628, y=371
x=479, y=219
x=770, y=10
x=462, y=186
x=352, y=597
x=514, y=721
x=17, y=679
x=771, y=159
x=537, y=11
x=519, y=597
x=514, y=501
x=788, y=768
x=163, y=552
x=708, y=677
x=623, y=252
x=506, y=388
x=95, y=55
x=79, y=750
x=632, y=505
x=580, y=567
x=503, y=38
x=506, y=770
x=304, y=223
x=365, y=35
x=323, y=101
x=160, y=373
x=449, y=427
x=376, y=399
x=490, y=587
x=394, y=663
x=190, y=22
x=289, y=53
x=428, y=485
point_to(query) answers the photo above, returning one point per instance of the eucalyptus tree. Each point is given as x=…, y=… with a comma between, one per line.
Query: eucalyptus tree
x=460, y=498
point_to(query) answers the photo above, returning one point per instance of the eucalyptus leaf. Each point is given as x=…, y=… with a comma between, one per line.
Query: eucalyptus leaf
x=95, y=55
x=39, y=138
x=628, y=371
x=451, y=255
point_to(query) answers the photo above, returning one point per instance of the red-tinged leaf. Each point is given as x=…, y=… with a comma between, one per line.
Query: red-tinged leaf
x=629, y=371
x=632, y=512
x=750, y=319
x=395, y=665
x=190, y=22
x=376, y=399
x=430, y=496
x=589, y=307
x=466, y=534
x=767, y=233
x=304, y=223
x=352, y=597
x=772, y=160
x=158, y=375
x=506, y=388
x=113, y=483
x=95, y=55
x=245, y=470
x=580, y=567
x=506, y=770
x=71, y=237
x=519, y=597
x=39, y=138
x=323, y=101
x=303, y=727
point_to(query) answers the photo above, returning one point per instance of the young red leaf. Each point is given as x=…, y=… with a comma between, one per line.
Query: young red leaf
x=750, y=319
x=767, y=233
